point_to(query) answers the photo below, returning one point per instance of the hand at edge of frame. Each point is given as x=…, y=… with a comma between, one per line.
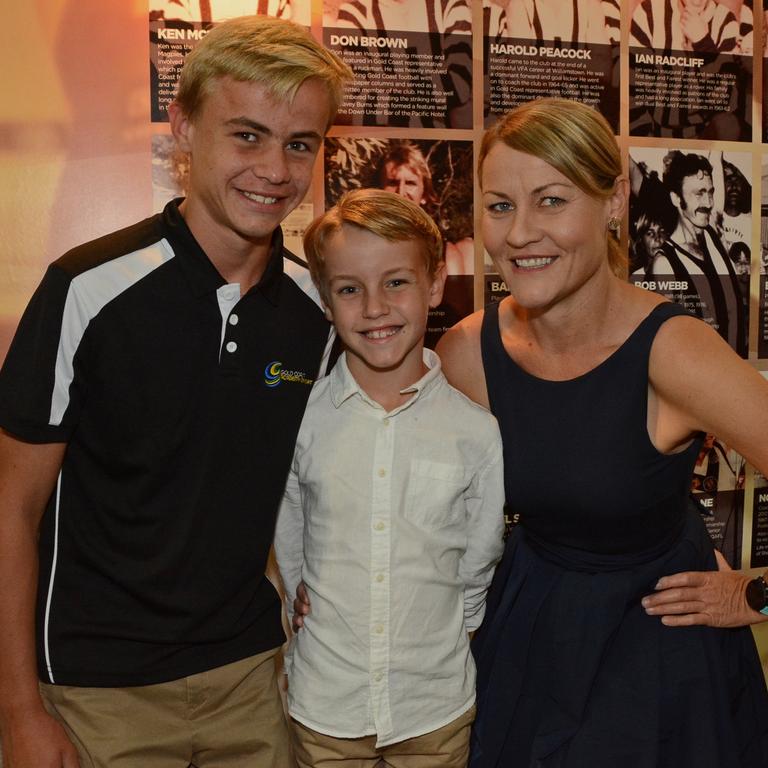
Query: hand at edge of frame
x=712, y=598
x=37, y=740
x=301, y=607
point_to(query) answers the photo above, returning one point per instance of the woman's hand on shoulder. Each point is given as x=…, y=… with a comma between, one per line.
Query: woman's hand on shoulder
x=462, y=360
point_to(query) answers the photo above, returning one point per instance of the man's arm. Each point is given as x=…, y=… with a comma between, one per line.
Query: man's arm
x=31, y=738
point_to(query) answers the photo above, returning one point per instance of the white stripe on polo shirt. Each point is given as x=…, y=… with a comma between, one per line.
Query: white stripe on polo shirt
x=88, y=294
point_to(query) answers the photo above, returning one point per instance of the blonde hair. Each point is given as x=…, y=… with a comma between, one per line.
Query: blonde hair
x=276, y=53
x=385, y=214
x=574, y=139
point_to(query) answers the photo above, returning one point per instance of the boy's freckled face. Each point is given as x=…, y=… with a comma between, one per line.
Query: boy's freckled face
x=252, y=156
x=379, y=294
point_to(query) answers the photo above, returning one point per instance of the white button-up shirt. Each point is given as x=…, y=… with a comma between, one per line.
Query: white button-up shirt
x=394, y=521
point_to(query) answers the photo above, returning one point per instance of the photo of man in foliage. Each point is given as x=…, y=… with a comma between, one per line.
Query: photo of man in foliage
x=436, y=174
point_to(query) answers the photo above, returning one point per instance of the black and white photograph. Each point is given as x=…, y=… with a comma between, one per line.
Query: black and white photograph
x=412, y=61
x=443, y=17
x=762, y=326
x=693, y=25
x=690, y=224
x=691, y=69
x=564, y=21
x=218, y=10
x=175, y=26
x=539, y=48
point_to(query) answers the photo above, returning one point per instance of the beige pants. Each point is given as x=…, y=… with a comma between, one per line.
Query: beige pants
x=447, y=747
x=228, y=717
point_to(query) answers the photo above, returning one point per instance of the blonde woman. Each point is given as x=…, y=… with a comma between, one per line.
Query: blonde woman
x=603, y=392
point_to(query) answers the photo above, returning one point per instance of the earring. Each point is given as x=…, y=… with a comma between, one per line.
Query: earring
x=614, y=223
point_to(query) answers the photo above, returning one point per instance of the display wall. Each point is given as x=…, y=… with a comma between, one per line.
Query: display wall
x=86, y=147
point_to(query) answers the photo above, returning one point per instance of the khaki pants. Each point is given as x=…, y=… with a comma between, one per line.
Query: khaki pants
x=227, y=717
x=447, y=747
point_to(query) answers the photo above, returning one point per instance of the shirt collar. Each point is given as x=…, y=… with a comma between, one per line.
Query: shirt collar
x=344, y=386
x=203, y=277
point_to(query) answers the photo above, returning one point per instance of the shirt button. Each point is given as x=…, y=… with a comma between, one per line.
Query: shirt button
x=379, y=526
x=385, y=422
x=379, y=577
x=378, y=629
x=231, y=346
x=382, y=473
x=234, y=319
x=377, y=677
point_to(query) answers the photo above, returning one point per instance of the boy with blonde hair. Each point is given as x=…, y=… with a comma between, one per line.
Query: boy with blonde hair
x=392, y=515
x=148, y=423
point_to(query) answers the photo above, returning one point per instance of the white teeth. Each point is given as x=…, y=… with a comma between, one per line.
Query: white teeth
x=381, y=333
x=260, y=198
x=537, y=261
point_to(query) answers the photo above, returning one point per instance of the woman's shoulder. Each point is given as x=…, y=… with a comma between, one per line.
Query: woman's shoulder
x=630, y=306
x=461, y=357
x=675, y=324
x=462, y=336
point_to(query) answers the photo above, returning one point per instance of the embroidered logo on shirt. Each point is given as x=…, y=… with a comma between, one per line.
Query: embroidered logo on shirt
x=275, y=375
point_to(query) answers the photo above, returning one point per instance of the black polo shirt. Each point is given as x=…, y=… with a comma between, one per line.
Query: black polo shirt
x=180, y=403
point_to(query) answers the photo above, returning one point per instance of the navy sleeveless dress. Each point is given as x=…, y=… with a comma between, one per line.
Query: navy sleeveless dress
x=571, y=672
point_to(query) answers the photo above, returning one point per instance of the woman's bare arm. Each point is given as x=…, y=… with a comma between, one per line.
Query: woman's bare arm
x=700, y=384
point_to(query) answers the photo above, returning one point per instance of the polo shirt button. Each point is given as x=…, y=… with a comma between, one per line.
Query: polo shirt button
x=234, y=319
x=379, y=629
x=379, y=526
x=231, y=346
x=382, y=473
x=379, y=577
x=377, y=677
x=385, y=422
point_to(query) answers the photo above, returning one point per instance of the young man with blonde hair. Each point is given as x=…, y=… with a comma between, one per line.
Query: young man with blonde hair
x=147, y=427
x=392, y=513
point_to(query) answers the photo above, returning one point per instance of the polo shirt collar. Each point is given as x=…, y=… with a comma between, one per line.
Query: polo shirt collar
x=343, y=385
x=199, y=270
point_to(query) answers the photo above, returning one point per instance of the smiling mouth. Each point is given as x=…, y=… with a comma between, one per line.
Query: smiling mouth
x=377, y=334
x=533, y=262
x=263, y=199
